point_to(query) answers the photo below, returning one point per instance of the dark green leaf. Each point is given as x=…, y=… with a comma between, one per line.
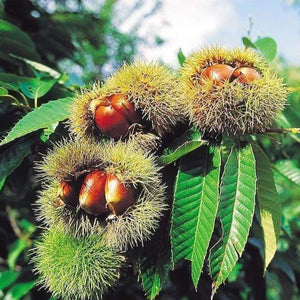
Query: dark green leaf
x=19, y=290
x=7, y=278
x=181, y=57
x=42, y=117
x=11, y=81
x=11, y=31
x=236, y=209
x=154, y=273
x=247, y=43
x=9, y=46
x=268, y=47
x=12, y=158
x=269, y=204
x=195, y=206
x=15, y=251
x=36, y=88
x=8, y=86
x=185, y=144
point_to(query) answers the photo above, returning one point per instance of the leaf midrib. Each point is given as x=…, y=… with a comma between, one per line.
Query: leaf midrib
x=231, y=222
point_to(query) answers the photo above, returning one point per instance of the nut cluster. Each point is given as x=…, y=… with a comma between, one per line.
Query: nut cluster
x=100, y=193
x=139, y=99
x=231, y=92
x=109, y=187
x=114, y=114
x=219, y=73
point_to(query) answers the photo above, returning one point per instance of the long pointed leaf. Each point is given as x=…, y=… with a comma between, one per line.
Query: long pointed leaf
x=195, y=206
x=154, y=272
x=207, y=212
x=269, y=204
x=237, y=202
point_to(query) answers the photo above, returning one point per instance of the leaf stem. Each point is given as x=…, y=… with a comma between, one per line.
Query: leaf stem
x=35, y=101
x=25, y=99
x=284, y=130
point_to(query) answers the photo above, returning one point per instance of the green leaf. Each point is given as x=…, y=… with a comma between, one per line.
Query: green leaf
x=289, y=170
x=181, y=57
x=19, y=290
x=8, y=86
x=11, y=81
x=154, y=272
x=39, y=67
x=12, y=158
x=3, y=91
x=7, y=278
x=268, y=47
x=206, y=212
x=10, y=46
x=195, y=206
x=28, y=227
x=236, y=209
x=42, y=117
x=36, y=88
x=11, y=31
x=269, y=204
x=183, y=145
x=15, y=251
x=247, y=43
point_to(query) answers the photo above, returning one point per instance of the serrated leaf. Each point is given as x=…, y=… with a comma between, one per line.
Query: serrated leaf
x=269, y=204
x=181, y=57
x=207, y=211
x=7, y=278
x=195, y=206
x=19, y=290
x=15, y=251
x=183, y=145
x=12, y=158
x=36, y=88
x=9, y=30
x=268, y=47
x=236, y=209
x=42, y=117
x=289, y=170
x=154, y=272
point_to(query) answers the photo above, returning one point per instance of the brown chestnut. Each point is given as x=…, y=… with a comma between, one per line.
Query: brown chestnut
x=68, y=192
x=217, y=73
x=245, y=75
x=114, y=114
x=92, y=194
x=118, y=196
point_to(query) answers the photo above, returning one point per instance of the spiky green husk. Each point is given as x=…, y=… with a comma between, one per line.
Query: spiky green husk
x=51, y=211
x=76, y=268
x=138, y=224
x=81, y=120
x=153, y=88
x=231, y=108
x=132, y=165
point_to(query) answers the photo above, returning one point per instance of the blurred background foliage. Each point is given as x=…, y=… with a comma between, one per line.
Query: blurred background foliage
x=48, y=49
